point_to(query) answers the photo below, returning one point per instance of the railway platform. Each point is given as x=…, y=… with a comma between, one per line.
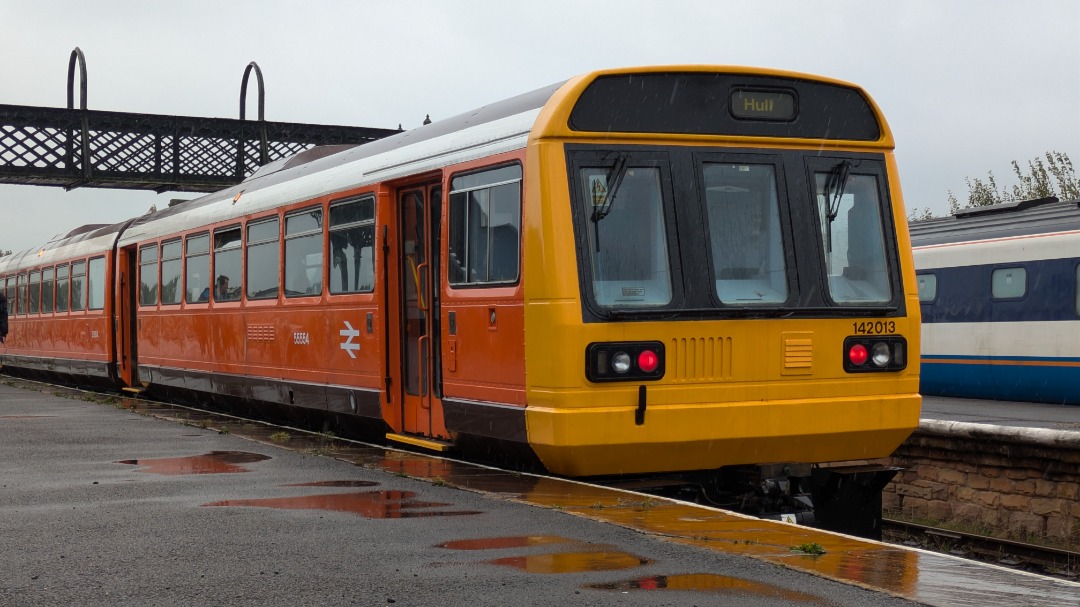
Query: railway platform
x=119, y=504
x=1002, y=413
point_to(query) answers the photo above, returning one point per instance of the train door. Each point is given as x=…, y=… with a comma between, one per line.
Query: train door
x=419, y=212
x=127, y=289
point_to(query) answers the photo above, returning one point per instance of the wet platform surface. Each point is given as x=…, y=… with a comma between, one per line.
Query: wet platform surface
x=1064, y=418
x=100, y=505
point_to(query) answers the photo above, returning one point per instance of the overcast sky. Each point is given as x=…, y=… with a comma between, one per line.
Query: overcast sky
x=967, y=85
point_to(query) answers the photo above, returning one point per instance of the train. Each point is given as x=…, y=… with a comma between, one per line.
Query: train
x=998, y=287
x=638, y=271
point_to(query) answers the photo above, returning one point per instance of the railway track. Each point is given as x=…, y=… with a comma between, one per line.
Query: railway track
x=1045, y=560
x=1018, y=555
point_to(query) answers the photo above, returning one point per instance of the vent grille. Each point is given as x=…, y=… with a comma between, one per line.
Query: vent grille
x=696, y=359
x=798, y=353
x=260, y=332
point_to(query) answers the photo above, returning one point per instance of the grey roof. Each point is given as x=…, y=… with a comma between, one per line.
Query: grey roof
x=1041, y=216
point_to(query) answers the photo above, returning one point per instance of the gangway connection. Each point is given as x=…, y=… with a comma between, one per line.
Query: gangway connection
x=78, y=147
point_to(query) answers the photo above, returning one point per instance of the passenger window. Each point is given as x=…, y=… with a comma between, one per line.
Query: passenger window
x=148, y=275
x=852, y=236
x=35, y=293
x=485, y=227
x=303, y=253
x=22, y=295
x=1008, y=283
x=228, y=264
x=78, y=282
x=744, y=233
x=47, y=291
x=1077, y=285
x=95, y=284
x=10, y=291
x=352, y=246
x=171, y=271
x=262, y=259
x=62, y=285
x=198, y=269
x=927, y=287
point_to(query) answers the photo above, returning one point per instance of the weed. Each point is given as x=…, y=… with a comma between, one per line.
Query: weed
x=811, y=548
x=223, y=430
x=280, y=437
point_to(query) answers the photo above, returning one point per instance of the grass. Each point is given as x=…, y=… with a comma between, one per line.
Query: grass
x=811, y=548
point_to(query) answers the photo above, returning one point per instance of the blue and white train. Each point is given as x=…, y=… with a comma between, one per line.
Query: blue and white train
x=998, y=288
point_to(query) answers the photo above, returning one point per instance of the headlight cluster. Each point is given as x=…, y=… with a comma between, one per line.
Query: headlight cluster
x=624, y=361
x=866, y=353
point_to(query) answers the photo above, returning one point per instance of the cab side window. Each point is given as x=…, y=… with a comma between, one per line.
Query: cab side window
x=485, y=227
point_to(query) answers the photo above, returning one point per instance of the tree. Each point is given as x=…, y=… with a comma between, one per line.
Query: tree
x=1051, y=175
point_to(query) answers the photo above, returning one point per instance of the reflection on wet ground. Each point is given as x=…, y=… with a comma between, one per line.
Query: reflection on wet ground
x=572, y=562
x=369, y=504
x=927, y=578
x=499, y=543
x=215, y=462
x=715, y=584
x=334, y=484
x=24, y=416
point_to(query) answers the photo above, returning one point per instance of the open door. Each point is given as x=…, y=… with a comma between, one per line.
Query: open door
x=420, y=388
x=127, y=289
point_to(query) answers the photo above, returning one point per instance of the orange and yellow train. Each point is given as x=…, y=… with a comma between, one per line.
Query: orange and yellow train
x=633, y=271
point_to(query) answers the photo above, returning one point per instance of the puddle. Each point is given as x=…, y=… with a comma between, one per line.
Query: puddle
x=368, y=504
x=335, y=484
x=215, y=462
x=710, y=583
x=498, y=543
x=572, y=562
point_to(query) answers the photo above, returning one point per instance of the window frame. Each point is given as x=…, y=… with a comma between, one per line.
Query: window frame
x=994, y=297
x=81, y=263
x=286, y=237
x=249, y=244
x=89, y=284
x=11, y=289
x=784, y=220
x=361, y=224
x=919, y=291
x=156, y=263
x=868, y=167
x=450, y=216
x=66, y=299
x=661, y=158
x=33, y=287
x=162, y=260
x=188, y=258
x=48, y=290
x=219, y=251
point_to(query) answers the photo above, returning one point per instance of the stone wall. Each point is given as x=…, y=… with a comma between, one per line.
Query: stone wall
x=1022, y=482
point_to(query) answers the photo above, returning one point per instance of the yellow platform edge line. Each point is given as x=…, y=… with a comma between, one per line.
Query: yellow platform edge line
x=416, y=441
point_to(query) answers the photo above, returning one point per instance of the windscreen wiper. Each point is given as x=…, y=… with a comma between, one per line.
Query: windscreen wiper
x=614, y=180
x=835, y=184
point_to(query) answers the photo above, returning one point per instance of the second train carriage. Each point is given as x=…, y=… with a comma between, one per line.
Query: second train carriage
x=635, y=271
x=1000, y=293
